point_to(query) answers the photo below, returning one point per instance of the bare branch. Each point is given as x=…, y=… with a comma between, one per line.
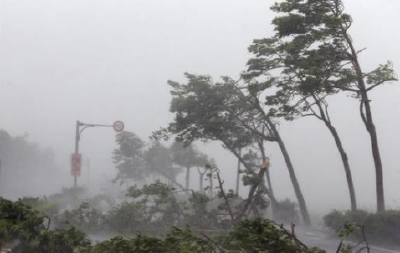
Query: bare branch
x=379, y=83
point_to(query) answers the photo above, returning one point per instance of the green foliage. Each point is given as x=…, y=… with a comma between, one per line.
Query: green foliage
x=43, y=205
x=130, y=156
x=255, y=235
x=380, y=228
x=85, y=217
x=160, y=160
x=19, y=221
x=286, y=211
x=203, y=111
x=135, y=161
x=118, y=244
x=187, y=156
x=126, y=218
x=310, y=57
x=260, y=235
x=58, y=241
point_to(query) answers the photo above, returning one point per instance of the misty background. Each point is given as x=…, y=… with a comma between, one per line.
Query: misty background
x=101, y=61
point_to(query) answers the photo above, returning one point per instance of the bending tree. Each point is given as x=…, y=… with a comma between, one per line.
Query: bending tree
x=298, y=89
x=317, y=32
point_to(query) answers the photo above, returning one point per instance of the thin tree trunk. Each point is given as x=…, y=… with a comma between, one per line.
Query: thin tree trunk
x=369, y=124
x=380, y=196
x=292, y=174
x=187, y=177
x=238, y=174
x=267, y=175
x=345, y=161
x=299, y=195
x=324, y=116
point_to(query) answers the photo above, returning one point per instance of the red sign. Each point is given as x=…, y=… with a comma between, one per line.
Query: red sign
x=76, y=162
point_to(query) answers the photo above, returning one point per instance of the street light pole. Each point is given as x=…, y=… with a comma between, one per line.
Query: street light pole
x=118, y=127
x=77, y=136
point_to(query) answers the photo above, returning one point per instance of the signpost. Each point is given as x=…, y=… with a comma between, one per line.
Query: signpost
x=118, y=126
x=76, y=158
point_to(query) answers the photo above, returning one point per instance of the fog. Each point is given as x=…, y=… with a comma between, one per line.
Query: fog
x=101, y=61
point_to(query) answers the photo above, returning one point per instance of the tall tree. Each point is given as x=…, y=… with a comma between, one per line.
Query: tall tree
x=252, y=114
x=316, y=33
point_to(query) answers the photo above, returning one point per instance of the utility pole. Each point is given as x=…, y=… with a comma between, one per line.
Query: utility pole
x=77, y=136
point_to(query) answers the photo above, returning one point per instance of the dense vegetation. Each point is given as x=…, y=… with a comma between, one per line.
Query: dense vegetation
x=32, y=228
x=380, y=228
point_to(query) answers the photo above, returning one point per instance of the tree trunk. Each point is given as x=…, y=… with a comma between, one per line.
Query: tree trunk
x=201, y=182
x=299, y=195
x=325, y=118
x=380, y=196
x=293, y=178
x=267, y=175
x=369, y=124
x=238, y=175
x=346, y=165
x=187, y=177
x=268, y=178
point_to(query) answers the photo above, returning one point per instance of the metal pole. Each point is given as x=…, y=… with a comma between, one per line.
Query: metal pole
x=118, y=127
x=76, y=149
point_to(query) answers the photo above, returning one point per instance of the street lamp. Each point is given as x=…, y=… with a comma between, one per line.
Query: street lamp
x=76, y=157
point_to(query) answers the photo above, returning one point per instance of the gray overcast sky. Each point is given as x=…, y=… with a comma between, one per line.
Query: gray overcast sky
x=98, y=61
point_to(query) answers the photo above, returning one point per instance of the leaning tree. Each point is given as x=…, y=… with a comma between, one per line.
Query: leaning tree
x=316, y=34
x=226, y=112
x=294, y=88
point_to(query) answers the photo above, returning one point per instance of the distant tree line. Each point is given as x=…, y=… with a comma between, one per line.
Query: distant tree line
x=24, y=164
